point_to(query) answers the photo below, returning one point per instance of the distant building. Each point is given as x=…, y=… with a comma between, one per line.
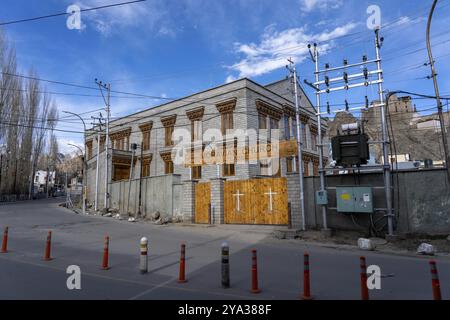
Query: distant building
x=40, y=180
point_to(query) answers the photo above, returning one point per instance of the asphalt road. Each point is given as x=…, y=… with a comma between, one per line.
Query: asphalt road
x=78, y=240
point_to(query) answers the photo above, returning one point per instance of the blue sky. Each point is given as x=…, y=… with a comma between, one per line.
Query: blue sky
x=175, y=48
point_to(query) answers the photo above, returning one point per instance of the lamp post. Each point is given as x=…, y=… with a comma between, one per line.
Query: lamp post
x=84, y=161
x=436, y=90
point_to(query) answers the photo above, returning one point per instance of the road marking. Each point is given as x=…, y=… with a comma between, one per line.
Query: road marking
x=152, y=285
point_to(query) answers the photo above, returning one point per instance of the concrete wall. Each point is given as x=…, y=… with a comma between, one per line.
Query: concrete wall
x=421, y=201
x=162, y=193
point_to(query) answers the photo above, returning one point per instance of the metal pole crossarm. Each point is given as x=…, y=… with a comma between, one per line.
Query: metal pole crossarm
x=354, y=109
x=349, y=77
x=347, y=66
x=351, y=86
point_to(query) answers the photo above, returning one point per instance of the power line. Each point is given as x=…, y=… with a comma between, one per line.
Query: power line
x=68, y=13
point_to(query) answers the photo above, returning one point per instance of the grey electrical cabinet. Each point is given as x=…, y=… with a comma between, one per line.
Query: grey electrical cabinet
x=351, y=199
x=321, y=197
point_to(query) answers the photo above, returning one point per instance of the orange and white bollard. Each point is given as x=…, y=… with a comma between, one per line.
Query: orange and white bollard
x=143, y=263
x=306, y=278
x=182, y=274
x=5, y=241
x=363, y=274
x=48, y=246
x=435, y=281
x=105, y=260
x=255, y=288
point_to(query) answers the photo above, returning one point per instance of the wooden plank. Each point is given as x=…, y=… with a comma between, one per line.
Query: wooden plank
x=262, y=201
x=202, y=202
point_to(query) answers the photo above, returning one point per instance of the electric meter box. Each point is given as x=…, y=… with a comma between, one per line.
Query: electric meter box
x=321, y=197
x=353, y=199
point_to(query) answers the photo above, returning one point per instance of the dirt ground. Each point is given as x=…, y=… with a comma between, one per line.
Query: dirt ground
x=405, y=243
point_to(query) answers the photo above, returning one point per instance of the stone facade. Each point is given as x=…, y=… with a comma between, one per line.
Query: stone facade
x=247, y=101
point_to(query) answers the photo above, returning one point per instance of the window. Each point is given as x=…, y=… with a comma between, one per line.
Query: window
x=146, y=170
x=289, y=164
x=262, y=121
x=196, y=130
x=293, y=127
x=314, y=141
x=316, y=168
x=169, y=125
x=89, y=149
x=168, y=167
x=229, y=170
x=195, y=116
x=146, y=161
x=196, y=172
x=146, y=129
x=274, y=123
x=121, y=170
x=227, y=122
x=304, y=138
x=146, y=140
x=121, y=140
x=168, y=136
x=287, y=127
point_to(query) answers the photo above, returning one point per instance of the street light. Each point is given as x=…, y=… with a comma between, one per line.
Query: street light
x=84, y=160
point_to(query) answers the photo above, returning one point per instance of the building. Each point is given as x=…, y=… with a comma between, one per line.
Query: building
x=40, y=180
x=413, y=134
x=239, y=105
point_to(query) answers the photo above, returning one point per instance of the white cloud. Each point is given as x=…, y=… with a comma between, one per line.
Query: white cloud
x=276, y=47
x=145, y=15
x=310, y=5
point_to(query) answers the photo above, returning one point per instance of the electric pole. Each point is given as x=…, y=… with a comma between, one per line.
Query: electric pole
x=436, y=89
x=293, y=73
x=98, y=160
x=106, y=99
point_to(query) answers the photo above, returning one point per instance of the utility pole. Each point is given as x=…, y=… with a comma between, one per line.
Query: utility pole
x=384, y=132
x=436, y=89
x=133, y=151
x=315, y=58
x=140, y=180
x=98, y=160
x=293, y=72
x=106, y=99
x=349, y=82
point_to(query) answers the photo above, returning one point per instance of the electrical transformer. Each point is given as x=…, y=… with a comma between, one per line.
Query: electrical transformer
x=350, y=149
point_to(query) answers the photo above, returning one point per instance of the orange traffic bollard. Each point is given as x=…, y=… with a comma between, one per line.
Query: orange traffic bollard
x=48, y=246
x=105, y=260
x=435, y=281
x=255, y=288
x=364, y=289
x=306, y=278
x=5, y=241
x=182, y=275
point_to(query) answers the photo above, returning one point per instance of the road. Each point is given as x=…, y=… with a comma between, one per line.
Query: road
x=78, y=240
